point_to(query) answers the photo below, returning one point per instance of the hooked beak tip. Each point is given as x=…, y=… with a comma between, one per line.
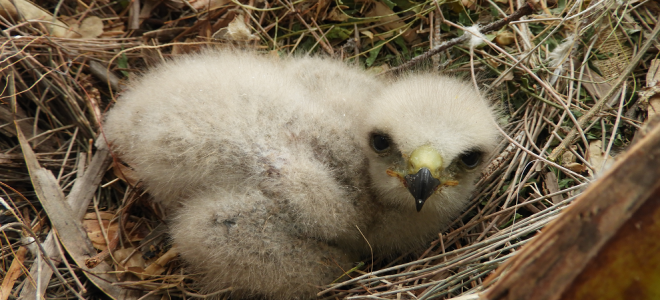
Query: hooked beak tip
x=421, y=185
x=419, y=203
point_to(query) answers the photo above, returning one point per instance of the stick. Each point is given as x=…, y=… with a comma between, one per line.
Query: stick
x=525, y=10
x=582, y=121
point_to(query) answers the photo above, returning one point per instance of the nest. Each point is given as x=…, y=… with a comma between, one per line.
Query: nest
x=574, y=81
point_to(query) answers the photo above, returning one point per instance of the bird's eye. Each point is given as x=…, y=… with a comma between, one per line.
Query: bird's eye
x=471, y=158
x=380, y=142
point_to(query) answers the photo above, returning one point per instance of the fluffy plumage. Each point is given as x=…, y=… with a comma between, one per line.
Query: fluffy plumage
x=268, y=166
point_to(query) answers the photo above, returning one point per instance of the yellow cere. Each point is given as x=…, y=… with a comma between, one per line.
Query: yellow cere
x=425, y=157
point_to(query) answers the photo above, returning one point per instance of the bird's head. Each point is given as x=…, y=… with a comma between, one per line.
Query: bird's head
x=428, y=136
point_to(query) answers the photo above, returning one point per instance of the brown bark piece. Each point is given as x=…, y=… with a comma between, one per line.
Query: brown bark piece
x=549, y=265
x=628, y=266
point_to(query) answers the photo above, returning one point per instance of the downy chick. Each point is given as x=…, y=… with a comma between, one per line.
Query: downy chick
x=269, y=167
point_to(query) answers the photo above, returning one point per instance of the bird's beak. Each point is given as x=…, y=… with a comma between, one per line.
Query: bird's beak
x=424, y=169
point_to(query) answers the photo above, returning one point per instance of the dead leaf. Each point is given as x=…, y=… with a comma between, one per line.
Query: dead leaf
x=24, y=10
x=576, y=167
x=91, y=27
x=93, y=229
x=134, y=264
x=568, y=157
x=115, y=29
x=367, y=33
x=494, y=63
x=618, y=55
x=596, y=85
x=158, y=267
x=147, y=7
x=569, y=161
x=508, y=76
x=597, y=159
x=203, y=5
x=654, y=106
x=321, y=9
x=649, y=100
x=653, y=74
x=504, y=38
x=237, y=30
x=469, y=4
x=378, y=69
x=337, y=15
x=651, y=94
x=390, y=20
x=69, y=228
x=552, y=184
x=13, y=273
x=125, y=173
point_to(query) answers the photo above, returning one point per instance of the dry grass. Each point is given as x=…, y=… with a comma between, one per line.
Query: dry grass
x=569, y=62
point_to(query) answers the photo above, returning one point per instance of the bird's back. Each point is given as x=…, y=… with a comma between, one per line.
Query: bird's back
x=236, y=120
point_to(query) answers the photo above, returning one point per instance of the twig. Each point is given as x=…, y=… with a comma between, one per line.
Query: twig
x=544, y=84
x=44, y=255
x=100, y=71
x=66, y=156
x=582, y=121
x=525, y=10
x=319, y=39
x=614, y=129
